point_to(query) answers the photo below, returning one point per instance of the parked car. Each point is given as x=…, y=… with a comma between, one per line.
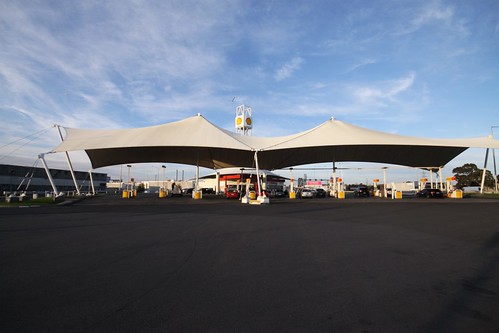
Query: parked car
x=361, y=191
x=207, y=191
x=187, y=191
x=232, y=193
x=281, y=194
x=307, y=193
x=430, y=193
x=320, y=193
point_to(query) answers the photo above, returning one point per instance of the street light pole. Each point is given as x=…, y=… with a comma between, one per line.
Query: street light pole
x=129, y=187
x=241, y=184
x=164, y=168
x=494, y=158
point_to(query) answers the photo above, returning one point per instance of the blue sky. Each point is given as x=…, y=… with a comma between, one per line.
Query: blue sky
x=420, y=68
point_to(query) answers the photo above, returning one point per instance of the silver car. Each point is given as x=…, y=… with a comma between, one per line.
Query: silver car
x=307, y=193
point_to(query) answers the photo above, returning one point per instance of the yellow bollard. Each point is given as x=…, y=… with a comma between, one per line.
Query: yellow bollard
x=125, y=195
x=341, y=195
x=292, y=195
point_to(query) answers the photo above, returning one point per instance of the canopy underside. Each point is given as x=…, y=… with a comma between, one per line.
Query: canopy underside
x=217, y=158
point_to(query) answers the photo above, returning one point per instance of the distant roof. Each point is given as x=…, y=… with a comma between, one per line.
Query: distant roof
x=196, y=141
x=244, y=171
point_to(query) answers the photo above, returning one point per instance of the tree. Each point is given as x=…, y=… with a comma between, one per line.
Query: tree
x=470, y=175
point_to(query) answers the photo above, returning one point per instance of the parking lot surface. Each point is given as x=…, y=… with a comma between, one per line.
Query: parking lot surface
x=107, y=264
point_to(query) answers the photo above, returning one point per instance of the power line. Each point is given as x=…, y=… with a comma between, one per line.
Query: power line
x=12, y=142
x=34, y=135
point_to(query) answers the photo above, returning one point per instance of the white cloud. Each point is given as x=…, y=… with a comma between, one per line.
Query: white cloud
x=360, y=64
x=288, y=69
x=317, y=86
x=380, y=92
x=435, y=12
x=106, y=64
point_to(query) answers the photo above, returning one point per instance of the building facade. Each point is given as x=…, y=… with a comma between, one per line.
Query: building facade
x=16, y=178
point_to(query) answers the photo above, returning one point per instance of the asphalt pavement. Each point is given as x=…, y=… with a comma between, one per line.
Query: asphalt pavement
x=107, y=264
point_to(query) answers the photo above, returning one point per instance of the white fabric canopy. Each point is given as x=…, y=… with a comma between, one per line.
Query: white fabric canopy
x=196, y=141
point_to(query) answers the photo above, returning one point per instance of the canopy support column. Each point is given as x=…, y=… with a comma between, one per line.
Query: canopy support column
x=385, y=191
x=484, y=170
x=495, y=170
x=217, y=186
x=258, y=174
x=440, y=177
x=91, y=181
x=197, y=178
x=70, y=165
x=335, y=184
x=262, y=197
x=49, y=176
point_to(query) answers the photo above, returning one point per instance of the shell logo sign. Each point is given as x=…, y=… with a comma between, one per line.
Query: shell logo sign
x=242, y=122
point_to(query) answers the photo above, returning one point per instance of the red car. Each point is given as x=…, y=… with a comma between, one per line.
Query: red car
x=232, y=194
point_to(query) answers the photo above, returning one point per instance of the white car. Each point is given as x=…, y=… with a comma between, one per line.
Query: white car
x=307, y=193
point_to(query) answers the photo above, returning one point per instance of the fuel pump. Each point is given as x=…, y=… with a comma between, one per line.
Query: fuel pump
x=336, y=188
x=450, y=185
x=452, y=192
x=246, y=197
x=332, y=192
x=422, y=183
x=340, y=188
x=292, y=193
x=377, y=192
